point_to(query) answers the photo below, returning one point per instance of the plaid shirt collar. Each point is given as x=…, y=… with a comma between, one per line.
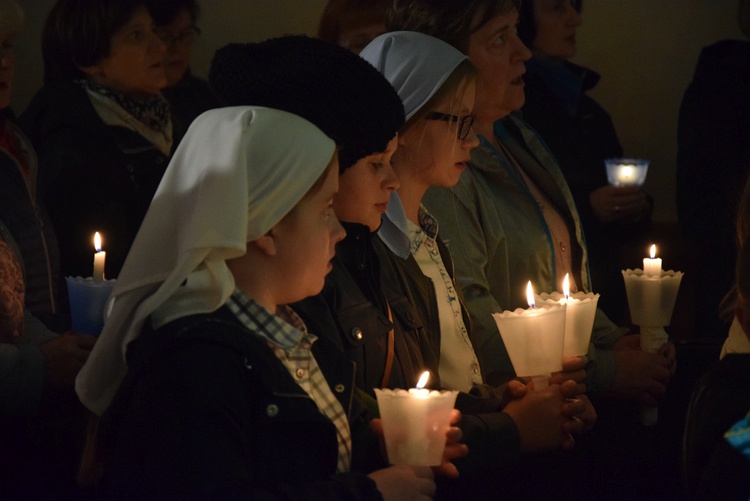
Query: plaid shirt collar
x=285, y=329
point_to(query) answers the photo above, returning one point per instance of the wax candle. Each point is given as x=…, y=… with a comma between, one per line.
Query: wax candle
x=626, y=171
x=99, y=257
x=579, y=317
x=415, y=422
x=420, y=391
x=652, y=265
x=534, y=338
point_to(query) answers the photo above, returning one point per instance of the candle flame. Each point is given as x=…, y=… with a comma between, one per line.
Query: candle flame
x=652, y=252
x=423, y=380
x=530, y=295
x=97, y=242
x=566, y=286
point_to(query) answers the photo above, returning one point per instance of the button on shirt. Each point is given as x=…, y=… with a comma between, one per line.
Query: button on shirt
x=459, y=367
x=287, y=336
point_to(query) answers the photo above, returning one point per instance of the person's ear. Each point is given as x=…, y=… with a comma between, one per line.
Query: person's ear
x=266, y=243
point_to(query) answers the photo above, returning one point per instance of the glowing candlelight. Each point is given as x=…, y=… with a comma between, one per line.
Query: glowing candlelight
x=99, y=257
x=652, y=265
x=530, y=295
x=423, y=379
x=626, y=171
x=566, y=286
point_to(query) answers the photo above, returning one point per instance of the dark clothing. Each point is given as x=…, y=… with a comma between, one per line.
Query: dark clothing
x=407, y=276
x=353, y=308
x=94, y=177
x=713, y=159
x=188, y=98
x=720, y=399
x=207, y=411
x=24, y=214
x=580, y=134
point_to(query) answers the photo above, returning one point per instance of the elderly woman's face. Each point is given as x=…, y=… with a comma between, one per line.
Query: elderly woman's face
x=135, y=63
x=556, y=24
x=7, y=68
x=499, y=55
x=178, y=36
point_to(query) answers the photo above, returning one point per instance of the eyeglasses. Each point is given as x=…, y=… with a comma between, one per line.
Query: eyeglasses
x=464, y=123
x=185, y=37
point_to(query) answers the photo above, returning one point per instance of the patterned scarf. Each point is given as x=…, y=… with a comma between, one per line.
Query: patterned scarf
x=152, y=111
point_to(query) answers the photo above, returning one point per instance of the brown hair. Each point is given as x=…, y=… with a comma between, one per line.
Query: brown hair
x=78, y=33
x=345, y=15
x=453, y=21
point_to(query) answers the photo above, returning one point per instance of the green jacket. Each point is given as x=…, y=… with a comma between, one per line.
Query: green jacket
x=499, y=240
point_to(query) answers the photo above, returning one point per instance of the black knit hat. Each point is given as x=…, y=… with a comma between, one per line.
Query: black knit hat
x=339, y=92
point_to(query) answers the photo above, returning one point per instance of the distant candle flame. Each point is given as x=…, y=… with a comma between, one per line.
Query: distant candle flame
x=97, y=242
x=423, y=380
x=530, y=295
x=566, y=286
x=652, y=252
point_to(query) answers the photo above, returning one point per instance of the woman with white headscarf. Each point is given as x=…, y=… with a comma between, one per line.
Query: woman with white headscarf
x=226, y=394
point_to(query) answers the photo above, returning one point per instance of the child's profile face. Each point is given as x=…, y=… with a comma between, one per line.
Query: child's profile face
x=306, y=240
x=366, y=187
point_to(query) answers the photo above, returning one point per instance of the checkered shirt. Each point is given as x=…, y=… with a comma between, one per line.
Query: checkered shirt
x=287, y=336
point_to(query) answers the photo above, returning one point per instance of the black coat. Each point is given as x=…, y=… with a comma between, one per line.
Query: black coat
x=207, y=411
x=23, y=212
x=94, y=177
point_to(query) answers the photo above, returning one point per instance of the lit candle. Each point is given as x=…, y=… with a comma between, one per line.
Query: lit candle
x=415, y=422
x=652, y=265
x=579, y=317
x=530, y=295
x=626, y=171
x=99, y=257
x=534, y=338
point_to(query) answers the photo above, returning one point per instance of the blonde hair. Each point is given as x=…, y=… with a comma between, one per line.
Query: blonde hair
x=11, y=17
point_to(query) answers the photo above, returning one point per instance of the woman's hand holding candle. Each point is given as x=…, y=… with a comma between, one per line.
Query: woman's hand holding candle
x=619, y=203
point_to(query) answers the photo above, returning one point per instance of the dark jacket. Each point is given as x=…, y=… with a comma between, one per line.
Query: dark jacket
x=207, y=411
x=94, y=177
x=721, y=397
x=188, y=98
x=581, y=135
x=24, y=214
x=352, y=305
x=713, y=161
x=352, y=309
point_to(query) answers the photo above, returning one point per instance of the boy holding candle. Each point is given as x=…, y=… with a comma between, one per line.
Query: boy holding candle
x=355, y=304
x=226, y=394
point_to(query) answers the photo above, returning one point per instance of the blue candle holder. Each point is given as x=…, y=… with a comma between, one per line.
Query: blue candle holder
x=88, y=300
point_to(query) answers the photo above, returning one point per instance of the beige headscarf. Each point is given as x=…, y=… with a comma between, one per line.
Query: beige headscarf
x=237, y=172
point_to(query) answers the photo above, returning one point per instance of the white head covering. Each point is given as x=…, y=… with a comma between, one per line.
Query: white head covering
x=237, y=172
x=416, y=65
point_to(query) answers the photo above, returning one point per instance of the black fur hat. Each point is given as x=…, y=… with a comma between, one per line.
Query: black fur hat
x=339, y=92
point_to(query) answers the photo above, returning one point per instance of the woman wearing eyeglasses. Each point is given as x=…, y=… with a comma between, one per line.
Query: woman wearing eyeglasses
x=434, y=146
x=188, y=95
x=100, y=126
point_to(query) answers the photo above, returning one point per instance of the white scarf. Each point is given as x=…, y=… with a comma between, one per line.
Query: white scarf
x=414, y=63
x=237, y=172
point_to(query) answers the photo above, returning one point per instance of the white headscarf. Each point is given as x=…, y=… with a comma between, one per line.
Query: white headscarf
x=237, y=172
x=416, y=65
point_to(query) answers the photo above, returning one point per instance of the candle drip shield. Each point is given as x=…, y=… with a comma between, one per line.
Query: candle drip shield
x=88, y=300
x=414, y=424
x=534, y=338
